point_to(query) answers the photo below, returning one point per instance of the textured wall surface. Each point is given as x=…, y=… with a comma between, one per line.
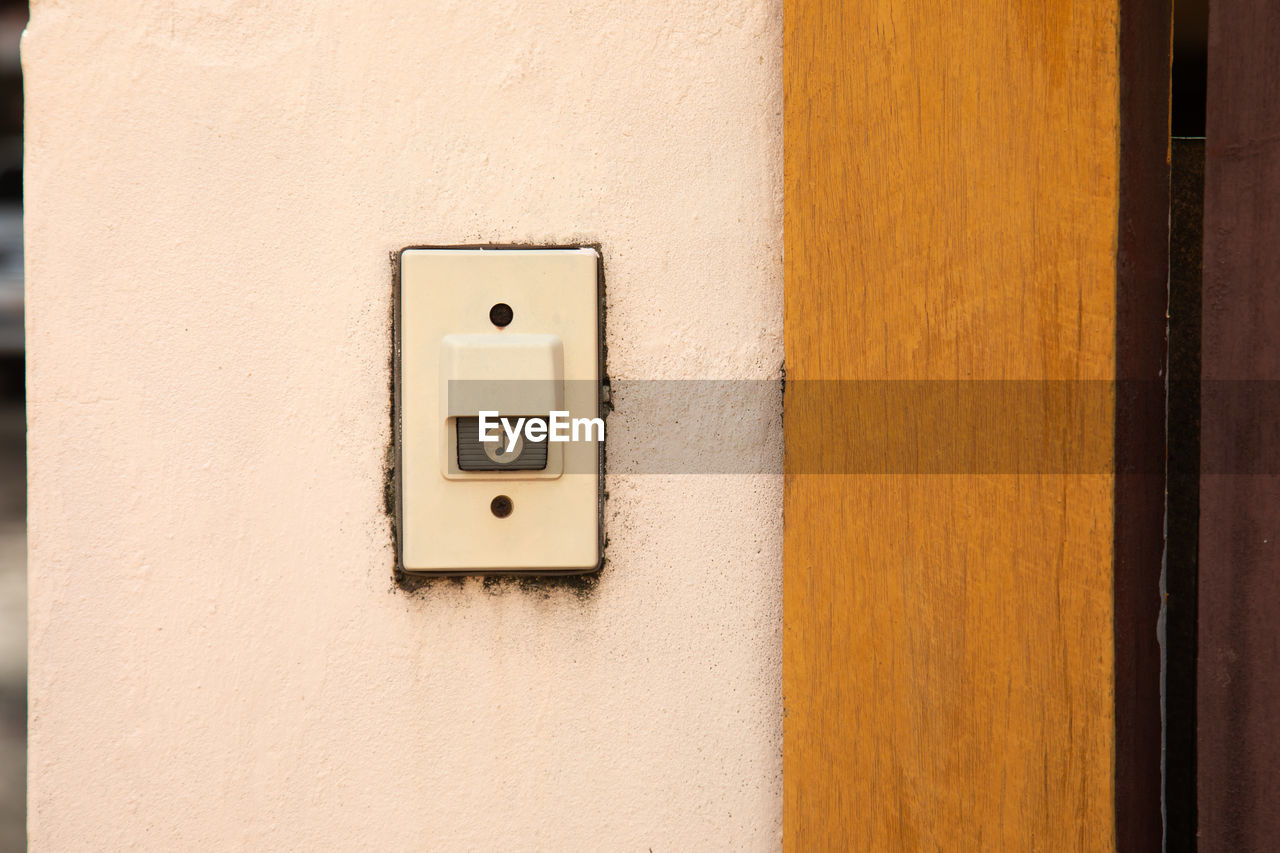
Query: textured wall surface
x=219, y=658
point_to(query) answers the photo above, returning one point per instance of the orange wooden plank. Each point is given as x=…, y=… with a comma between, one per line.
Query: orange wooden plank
x=953, y=193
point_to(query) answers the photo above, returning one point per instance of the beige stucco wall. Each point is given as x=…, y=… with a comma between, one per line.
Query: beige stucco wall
x=219, y=658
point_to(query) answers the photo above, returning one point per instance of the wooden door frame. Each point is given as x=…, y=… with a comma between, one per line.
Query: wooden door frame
x=910, y=255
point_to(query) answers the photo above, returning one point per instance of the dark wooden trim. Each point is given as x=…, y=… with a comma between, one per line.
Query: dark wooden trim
x=1238, y=683
x=1183, y=502
x=1141, y=301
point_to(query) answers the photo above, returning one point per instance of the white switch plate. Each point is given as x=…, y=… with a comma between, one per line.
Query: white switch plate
x=445, y=523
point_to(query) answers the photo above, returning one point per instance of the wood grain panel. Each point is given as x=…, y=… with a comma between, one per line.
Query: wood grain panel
x=953, y=184
x=1238, y=685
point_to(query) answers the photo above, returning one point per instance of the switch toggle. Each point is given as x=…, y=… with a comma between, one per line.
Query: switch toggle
x=507, y=373
x=500, y=455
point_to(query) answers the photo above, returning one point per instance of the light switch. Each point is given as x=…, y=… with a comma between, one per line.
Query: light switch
x=498, y=427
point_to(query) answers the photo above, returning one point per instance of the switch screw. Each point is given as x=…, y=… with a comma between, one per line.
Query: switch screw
x=500, y=506
x=500, y=315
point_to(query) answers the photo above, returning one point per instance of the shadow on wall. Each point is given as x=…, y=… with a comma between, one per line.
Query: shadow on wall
x=13, y=479
x=13, y=606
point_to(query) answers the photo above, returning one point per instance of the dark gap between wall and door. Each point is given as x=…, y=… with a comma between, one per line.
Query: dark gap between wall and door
x=1182, y=501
